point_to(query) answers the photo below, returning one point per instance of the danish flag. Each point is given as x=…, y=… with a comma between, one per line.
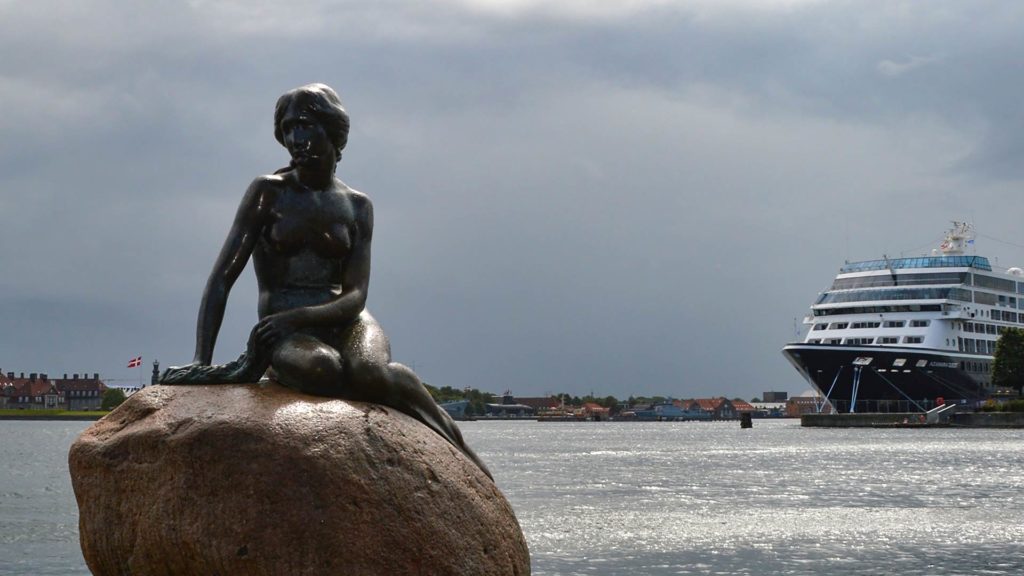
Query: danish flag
x=135, y=362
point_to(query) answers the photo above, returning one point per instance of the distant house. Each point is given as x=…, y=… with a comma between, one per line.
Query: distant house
x=593, y=411
x=743, y=407
x=6, y=388
x=540, y=403
x=40, y=392
x=719, y=408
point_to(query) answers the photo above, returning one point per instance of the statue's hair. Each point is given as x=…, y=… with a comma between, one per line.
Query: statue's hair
x=326, y=107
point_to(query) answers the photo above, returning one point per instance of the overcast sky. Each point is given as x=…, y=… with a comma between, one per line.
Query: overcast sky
x=630, y=197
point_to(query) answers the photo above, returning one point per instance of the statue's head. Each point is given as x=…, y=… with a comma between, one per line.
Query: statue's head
x=323, y=104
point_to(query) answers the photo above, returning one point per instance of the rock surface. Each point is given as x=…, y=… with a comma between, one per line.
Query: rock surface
x=238, y=480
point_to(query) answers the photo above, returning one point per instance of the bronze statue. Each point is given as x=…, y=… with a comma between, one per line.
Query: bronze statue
x=309, y=236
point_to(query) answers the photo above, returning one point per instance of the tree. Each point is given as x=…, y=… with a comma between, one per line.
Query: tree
x=1008, y=369
x=755, y=400
x=112, y=398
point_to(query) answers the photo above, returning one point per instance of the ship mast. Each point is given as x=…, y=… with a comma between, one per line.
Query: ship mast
x=957, y=239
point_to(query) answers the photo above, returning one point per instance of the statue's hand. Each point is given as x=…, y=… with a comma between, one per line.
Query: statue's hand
x=274, y=328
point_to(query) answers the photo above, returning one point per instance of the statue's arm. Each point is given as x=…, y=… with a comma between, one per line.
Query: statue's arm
x=230, y=262
x=355, y=282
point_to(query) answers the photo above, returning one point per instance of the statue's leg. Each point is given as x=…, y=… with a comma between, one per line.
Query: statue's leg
x=307, y=364
x=371, y=376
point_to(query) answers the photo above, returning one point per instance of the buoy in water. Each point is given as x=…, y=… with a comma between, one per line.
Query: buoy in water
x=746, y=421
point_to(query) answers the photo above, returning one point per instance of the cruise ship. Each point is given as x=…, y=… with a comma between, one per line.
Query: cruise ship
x=900, y=334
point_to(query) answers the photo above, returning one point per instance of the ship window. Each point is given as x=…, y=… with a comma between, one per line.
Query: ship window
x=899, y=362
x=979, y=262
x=985, y=298
x=833, y=341
x=814, y=341
x=865, y=325
x=820, y=326
x=1007, y=301
x=888, y=340
x=875, y=310
x=839, y=325
x=859, y=341
x=913, y=339
x=895, y=323
x=995, y=283
x=920, y=323
x=882, y=280
x=896, y=294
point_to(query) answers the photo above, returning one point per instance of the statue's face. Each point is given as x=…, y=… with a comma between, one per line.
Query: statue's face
x=304, y=136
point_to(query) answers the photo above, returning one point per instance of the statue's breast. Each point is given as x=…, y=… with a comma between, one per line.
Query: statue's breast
x=310, y=224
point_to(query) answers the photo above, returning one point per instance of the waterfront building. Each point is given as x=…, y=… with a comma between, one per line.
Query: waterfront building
x=719, y=408
x=593, y=411
x=743, y=407
x=38, y=391
x=509, y=408
x=669, y=411
x=455, y=408
x=769, y=409
x=807, y=404
x=540, y=403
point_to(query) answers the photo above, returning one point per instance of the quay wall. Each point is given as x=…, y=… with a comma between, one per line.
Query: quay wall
x=989, y=419
x=863, y=420
x=913, y=419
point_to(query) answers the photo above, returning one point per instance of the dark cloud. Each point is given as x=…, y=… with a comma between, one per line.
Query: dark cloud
x=624, y=201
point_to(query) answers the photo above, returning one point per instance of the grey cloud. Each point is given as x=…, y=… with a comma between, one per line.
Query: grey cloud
x=896, y=69
x=639, y=204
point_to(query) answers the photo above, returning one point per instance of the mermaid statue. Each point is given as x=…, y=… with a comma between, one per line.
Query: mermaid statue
x=309, y=238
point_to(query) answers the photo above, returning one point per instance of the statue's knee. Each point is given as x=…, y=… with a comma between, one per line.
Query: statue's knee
x=310, y=367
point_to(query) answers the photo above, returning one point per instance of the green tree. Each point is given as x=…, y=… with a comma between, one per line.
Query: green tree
x=1008, y=369
x=755, y=400
x=112, y=398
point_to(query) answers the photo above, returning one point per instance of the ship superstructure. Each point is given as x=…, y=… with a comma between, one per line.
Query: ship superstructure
x=897, y=334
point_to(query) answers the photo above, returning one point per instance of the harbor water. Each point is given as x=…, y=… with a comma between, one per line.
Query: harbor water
x=666, y=498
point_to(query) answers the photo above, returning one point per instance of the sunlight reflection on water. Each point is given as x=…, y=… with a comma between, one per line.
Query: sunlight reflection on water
x=710, y=498
x=666, y=498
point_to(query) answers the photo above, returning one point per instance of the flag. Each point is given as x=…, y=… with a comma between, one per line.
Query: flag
x=135, y=362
